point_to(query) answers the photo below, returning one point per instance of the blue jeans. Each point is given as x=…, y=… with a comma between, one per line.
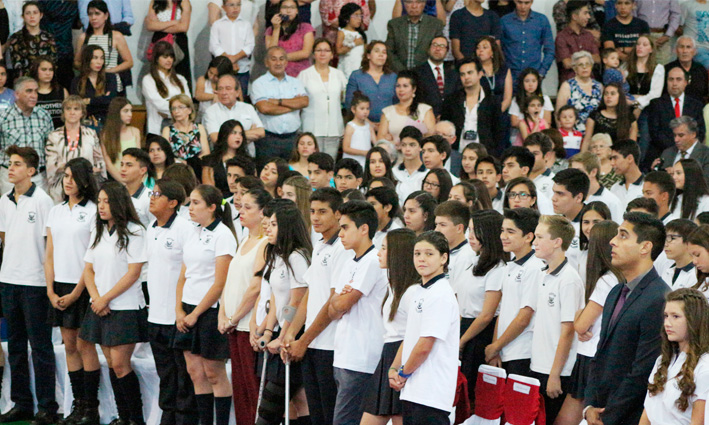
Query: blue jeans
x=351, y=387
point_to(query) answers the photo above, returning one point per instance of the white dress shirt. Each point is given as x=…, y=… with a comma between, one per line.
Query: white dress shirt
x=323, y=116
x=231, y=37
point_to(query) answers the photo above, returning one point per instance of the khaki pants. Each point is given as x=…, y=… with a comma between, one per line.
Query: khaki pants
x=662, y=54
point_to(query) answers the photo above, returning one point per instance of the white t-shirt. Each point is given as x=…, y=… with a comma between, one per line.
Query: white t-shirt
x=71, y=237
x=164, y=245
x=519, y=290
x=433, y=313
x=156, y=104
x=396, y=329
x=471, y=295
x=359, y=334
x=203, y=246
x=408, y=183
x=612, y=202
x=110, y=264
x=328, y=258
x=661, y=408
x=559, y=297
x=282, y=280
x=516, y=111
x=361, y=139
x=599, y=295
x=460, y=266
x=25, y=227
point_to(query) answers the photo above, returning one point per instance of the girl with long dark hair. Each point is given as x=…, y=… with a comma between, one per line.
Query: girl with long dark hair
x=161, y=84
x=293, y=35
x=118, y=135
x=50, y=94
x=94, y=86
x=466, y=193
x=389, y=217
x=377, y=163
x=230, y=143
x=438, y=183
x=613, y=117
x=529, y=82
x=206, y=257
x=407, y=112
x=419, y=210
x=698, y=246
x=591, y=214
x=520, y=193
x=271, y=173
x=161, y=156
x=173, y=17
x=117, y=319
x=693, y=198
x=351, y=38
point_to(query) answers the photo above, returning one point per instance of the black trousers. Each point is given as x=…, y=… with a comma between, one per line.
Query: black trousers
x=517, y=367
x=552, y=406
x=418, y=414
x=319, y=383
x=176, y=398
x=25, y=309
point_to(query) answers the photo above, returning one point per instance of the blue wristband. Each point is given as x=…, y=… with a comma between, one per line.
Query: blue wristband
x=402, y=374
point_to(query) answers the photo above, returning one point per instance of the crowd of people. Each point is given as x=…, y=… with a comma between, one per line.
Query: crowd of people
x=368, y=223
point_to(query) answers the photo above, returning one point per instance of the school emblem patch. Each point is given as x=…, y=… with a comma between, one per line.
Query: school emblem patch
x=81, y=218
x=419, y=306
x=325, y=260
x=207, y=239
x=169, y=243
x=32, y=217
x=551, y=300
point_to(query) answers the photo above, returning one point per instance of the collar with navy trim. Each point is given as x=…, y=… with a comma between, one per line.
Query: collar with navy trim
x=433, y=280
x=459, y=246
x=371, y=247
x=81, y=204
x=686, y=268
x=639, y=181
x=578, y=216
x=524, y=259
x=168, y=223
x=498, y=196
x=547, y=172
x=558, y=269
x=388, y=226
x=662, y=219
x=29, y=192
x=214, y=224
x=139, y=192
x=112, y=230
x=333, y=239
x=421, y=169
x=599, y=191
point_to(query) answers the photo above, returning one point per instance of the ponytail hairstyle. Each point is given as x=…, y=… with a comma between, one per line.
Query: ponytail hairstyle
x=696, y=312
x=414, y=81
x=87, y=55
x=122, y=211
x=213, y=196
x=480, y=151
x=599, y=255
x=303, y=190
x=487, y=225
x=401, y=271
x=357, y=98
x=261, y=197
x=292, y=237
x=700, y=237
x=483, y=195
x=428, y=207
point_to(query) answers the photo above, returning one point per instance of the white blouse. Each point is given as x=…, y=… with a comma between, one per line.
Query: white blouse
x=156, y=104
x=323, y=116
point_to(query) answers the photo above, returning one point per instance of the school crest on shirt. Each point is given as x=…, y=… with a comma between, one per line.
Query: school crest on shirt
x=283, y=274
x=419, y=305
x=81, y=218
x=32, y=217
x=207, y=239
x=551, y=299
x=575, y=242
x=325, y=260
x=169, y=243
x=518, y=278
x=543, y=188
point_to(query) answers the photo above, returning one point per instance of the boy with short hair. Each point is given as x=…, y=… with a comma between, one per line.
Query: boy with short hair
x=511, y=346
x=348, y=174
x=411, y=172
x=320, y=169
x=589, y=164
x=516, y=162
x=135, y=164
x=542, y=147
x=560, y=295
x=625, y=157
x=23, y=289
x=622, y=32
x=315, y=347
x=452, y=218
x=570, y=190
x=233, y=37
x=643, y=205
x=489, y=171
x=360, y=287
x=682, y=273
x=660, y=186
x=435, y=151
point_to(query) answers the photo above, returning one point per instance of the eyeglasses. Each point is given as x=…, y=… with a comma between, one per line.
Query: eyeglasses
x=671, y=238
x=289, y=7
x=155, y=194
x=439, y=45
x=518, y=195
x=431, y=184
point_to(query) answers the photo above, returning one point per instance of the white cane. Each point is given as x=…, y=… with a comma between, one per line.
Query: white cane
x=288, y=315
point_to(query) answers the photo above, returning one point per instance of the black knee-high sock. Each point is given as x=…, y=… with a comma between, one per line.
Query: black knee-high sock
x=223, y=407
x=121, y=405
x=77, y=383
x=91, y=384
x=303, y=420
x=131, y=391
x=205, y=406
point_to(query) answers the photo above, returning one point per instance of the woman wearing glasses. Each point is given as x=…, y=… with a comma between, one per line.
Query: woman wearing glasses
x=521, y=193
x=438, y=183
x=188, y=140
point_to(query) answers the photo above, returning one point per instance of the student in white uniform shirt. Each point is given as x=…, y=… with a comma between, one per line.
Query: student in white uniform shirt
x=434, y=152
x=673, y=397
x=592, y=214
x=516, y=163
x=117, y=319
x=411, y=172
x=589, y=164
x=205, y=261
x=479, y=297
x=698, y=246
x=425, y=368
x=466, y=193
x=239, y=186
x=681, y=274
x=165, y=242
x=660, y=186
x=69, y=226
x=511, y=346
x=386, y=204
x=489, y=171
x=381, y=402
x=287, y=259
x=522, y=193
x=419, y=213
x=625, y=157
x=438, y=183
x=542, y=147
x=359, y=333
x=602, y=277
x=452, y=219
x=348, y=174
x=23, y=217
x=692, y=200
x=570, y=190
x=559, y=297
x=315, y=347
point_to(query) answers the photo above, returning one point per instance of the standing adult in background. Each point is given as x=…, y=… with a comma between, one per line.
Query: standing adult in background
x=58, y=19
x=160, y=85
x=293, y=35
x=278, y=98
x=469, y=24
x=622, y=32
x=330, y=12
x=696, y=74
x=408, y=37
x=437, y=80
x=558, y=13
x=630, y=330
x=233, y=37
x=12, y=12
x=121, y=14
x=432, y=8
x=30, y=42
x=663, y=17
x=575, y=38
x=172, y=17
x=375, y=78
x=527, y=40
x=497, y=79
x=695, y=18
x=324, y=86
x=24, y=125
x=50, y=93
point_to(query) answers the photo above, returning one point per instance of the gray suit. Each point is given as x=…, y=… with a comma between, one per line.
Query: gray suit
x=398, y=40
x=700, y=153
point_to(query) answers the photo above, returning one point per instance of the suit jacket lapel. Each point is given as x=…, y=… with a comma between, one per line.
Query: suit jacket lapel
x=634, y=295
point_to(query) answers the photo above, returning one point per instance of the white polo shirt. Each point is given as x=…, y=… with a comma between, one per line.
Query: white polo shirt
x=559, y=297
x=111, y=264
x=164, y=245
x=573, y=254
x=218, y=114
x=25, y=227
x=460, y=266
x=71, y=236
x=471, y=295
x=394, y=223
x=684, y=277
x=408, y=183
x=282, y=280
x=203, y=246
x=141, y=202
x=328, y=258
x=625, y=195
x=611, y=200
x=545, y=183
x=359, y=333
x=599, y=296
x=702, y=206
x=519, y=290
x=395, y=330
x=498, y=201
x=433, y=313
x=662, y=263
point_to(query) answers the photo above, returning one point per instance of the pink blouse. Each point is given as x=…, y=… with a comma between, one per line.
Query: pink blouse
x=330, y=11
x=294, y=44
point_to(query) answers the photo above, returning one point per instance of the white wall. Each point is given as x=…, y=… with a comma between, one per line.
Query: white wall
x=199, y=37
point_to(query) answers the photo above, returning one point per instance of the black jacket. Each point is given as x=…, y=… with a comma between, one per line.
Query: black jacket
x=660, y=112
x=427, y=90
x=488, y=120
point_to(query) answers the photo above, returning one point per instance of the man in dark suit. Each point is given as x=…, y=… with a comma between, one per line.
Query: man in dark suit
x=403, y=52
x=687, y=145
x=480, y=122
x=671, y=105
x=631, y=325
x=429, y=91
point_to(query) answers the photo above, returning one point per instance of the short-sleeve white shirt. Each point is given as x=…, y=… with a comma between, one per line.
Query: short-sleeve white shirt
x=71, y=237
x=395, y=330
x=282, y=280
x=460, y=266
x=686, y=276
x=599, y=295
x=217, y=114
x=612, y=202
x=232, y=37
x=627, y=194
x=471, y=295
x=408, y=183
x=394, y=223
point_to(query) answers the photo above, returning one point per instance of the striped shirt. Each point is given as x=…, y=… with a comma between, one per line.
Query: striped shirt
x=18, y=129
x=413, y=41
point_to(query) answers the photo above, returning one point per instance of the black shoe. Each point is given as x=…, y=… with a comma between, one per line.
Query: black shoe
x=90, y=417
x=119, y=421
x=16, y=414
x=77, y=412
x=44, y=418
